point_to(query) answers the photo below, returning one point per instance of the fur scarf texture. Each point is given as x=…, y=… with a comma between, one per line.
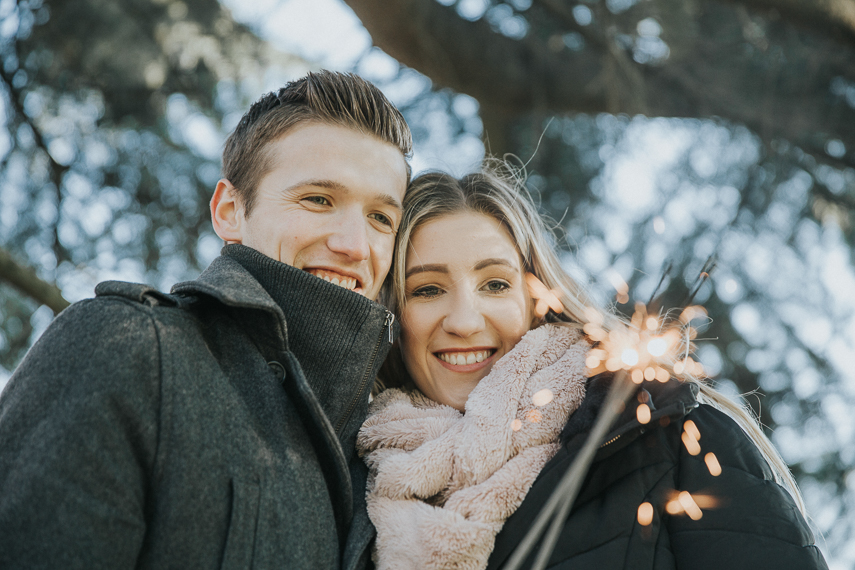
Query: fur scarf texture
x=442, y=483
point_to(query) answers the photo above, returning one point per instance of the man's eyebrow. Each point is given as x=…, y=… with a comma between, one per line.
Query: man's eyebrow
x=339, y=187
x=493, y=261
x=330, y=184
x=429, y=268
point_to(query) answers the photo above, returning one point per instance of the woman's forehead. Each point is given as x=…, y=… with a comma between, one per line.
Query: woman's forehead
x=463, y=240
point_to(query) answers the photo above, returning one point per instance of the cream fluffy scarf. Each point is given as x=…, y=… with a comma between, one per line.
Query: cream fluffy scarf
x=442, y=483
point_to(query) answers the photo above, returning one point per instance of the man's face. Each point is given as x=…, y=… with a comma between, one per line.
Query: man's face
x=330, y=205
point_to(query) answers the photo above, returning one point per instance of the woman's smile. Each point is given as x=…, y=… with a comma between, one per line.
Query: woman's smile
x=465, y=360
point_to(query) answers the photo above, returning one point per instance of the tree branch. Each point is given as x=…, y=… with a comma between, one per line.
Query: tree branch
x=27, y=282
x=777, y=87
x=471, y=58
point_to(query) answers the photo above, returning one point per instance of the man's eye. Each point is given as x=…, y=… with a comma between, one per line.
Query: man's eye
x=427, y=291
x=496, y=286
x=319, y=200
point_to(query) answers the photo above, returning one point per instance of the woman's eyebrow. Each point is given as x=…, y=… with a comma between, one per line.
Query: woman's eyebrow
x=493, y=261
x=429, y=268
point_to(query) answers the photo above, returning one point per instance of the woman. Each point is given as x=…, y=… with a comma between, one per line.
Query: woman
x=492, y=404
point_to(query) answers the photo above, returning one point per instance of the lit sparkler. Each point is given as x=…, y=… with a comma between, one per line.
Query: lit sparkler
x=649, y=347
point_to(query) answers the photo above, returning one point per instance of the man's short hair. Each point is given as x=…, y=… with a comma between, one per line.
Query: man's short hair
x=329, y=97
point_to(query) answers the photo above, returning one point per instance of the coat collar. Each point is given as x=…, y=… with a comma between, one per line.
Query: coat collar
x=229, y=283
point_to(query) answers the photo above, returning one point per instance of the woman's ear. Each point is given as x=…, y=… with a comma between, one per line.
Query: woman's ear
x=227, y=213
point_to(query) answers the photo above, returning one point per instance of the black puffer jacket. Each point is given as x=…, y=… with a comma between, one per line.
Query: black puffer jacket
x=753, y=525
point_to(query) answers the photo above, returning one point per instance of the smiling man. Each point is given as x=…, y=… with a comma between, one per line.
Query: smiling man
x=214, y=427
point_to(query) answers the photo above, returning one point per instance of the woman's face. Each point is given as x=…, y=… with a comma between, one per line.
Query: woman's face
x=466, y=306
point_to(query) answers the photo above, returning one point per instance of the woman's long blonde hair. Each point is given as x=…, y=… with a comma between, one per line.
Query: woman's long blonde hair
x=499, y=192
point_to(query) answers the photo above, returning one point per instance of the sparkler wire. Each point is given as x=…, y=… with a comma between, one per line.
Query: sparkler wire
x=561, y=500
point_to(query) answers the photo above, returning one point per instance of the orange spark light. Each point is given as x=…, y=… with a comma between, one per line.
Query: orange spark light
x=692, y=445
x=673, y=507
x=542, y=397
x=712, y=464
x=642, y=413
x=690, y=506
x=692, y=429
x=546, y=298
x=645, y=514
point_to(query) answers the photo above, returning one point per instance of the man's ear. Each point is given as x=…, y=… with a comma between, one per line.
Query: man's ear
x=227, y=213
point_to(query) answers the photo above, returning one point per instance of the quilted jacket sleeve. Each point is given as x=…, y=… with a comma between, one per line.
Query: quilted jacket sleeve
x=78, y=434
x=748, y=521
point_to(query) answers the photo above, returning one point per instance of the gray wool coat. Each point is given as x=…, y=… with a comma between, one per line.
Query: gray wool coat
x=209, y=428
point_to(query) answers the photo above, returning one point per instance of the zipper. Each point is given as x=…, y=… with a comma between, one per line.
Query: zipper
x=612, y=440
x=390, y=318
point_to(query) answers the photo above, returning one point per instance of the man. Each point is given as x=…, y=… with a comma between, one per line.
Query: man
x=214, y=427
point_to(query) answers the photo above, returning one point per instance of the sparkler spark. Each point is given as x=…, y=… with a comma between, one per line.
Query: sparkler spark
x=692, y=429
x=645, y=514
x=712, y=464
x=546, y=299
x=685, y=502
x=648, y=348
x=644, y=347
x=516, y=425
x=542, y=397
x=642, y=413
x=620, y=286
x=690, y=506
x=692, y=445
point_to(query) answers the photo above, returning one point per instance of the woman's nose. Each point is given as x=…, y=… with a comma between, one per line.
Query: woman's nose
x=464, y=318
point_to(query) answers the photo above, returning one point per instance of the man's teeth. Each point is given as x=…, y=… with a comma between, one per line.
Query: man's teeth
x=461, y=358
x=348, y=283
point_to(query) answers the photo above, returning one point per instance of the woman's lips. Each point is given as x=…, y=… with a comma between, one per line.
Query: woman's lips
x=465, y=361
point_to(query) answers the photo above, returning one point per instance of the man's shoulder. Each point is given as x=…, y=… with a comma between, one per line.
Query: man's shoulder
x=137, y=293
x=119, y=304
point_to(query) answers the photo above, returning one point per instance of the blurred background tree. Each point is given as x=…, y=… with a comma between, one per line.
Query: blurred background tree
x=659, y=133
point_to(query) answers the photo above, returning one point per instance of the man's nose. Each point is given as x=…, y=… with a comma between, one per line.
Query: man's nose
x=464, y=318
x=350, y=237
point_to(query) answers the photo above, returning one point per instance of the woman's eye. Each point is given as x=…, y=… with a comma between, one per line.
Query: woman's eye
x=382, y=218
x=426, y=292
x=496, y=286
x=319, y=200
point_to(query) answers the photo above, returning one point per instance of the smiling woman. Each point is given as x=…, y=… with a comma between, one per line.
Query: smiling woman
x=490, y=399
x=466, y=304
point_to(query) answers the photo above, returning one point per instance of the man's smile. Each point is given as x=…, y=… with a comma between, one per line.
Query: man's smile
x=348, y=282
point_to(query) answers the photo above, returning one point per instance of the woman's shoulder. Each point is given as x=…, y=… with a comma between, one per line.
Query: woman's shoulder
x=719, y=439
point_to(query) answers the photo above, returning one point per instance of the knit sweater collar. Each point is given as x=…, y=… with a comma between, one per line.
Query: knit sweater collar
x=339, y=338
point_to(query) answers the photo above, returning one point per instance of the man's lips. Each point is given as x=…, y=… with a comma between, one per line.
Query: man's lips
x=465, y=360
x=349, y=282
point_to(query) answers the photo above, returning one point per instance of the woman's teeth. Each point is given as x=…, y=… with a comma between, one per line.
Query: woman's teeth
x=461, y=358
